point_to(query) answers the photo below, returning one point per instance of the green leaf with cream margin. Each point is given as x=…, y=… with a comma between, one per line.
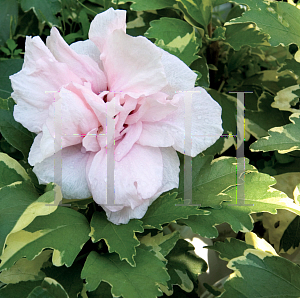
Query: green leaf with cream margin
x=284, y=138
x=65, y=231
x=168, y=208
x=25, y=270
x=258, y=197
x=183, y=266
x=126, y=281
x=161, y=244
x=277, y=19
x=119, y=238
x=211, y=179
x=286, y=98
x=49, y=288
x=199, y=10
x=20, y=203
x=239, y=35
x=175, y=36
x=261, y=274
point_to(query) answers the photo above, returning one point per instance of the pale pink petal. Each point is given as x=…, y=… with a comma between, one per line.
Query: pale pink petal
x=132, y=135
x=42, y=147
x=132, y=64
x=30, y=116
x=90, y=141
x=73, y=164
x=103, y=110
x=77, y=118
x=206, y=124
x=98, y=105
x=152, y=108
x=88, y=48
x=170, y=180
x=35, y=85
x=171, y=170
x=179, y=76
x=128, y=106
x=35, y=49
x=35, y=154
x=124, y=215
x=104, y=24
x=84, y=66
x=136, y=178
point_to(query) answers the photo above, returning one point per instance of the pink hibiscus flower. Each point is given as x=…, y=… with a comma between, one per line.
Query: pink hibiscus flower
x=118, y=115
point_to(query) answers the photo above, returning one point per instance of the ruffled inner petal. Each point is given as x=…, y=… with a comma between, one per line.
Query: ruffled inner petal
x=70, y=117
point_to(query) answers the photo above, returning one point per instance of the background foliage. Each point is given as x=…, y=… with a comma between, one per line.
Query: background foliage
x=245, y=45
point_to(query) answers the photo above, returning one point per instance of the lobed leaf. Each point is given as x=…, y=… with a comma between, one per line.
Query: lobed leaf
x=277, y=19
x=119, y=238
x=45, y=10
x=126, y=281
x=164, y=210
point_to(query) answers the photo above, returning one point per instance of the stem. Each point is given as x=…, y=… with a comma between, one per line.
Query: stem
x=221, y=86
x=209, y=28
x=86, y=7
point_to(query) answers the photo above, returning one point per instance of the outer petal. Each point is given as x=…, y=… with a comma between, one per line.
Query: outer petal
x=74, y=184
x=170, y=181
x=84, y=66
x=104, y=24
x=42, y=147
x=179, y=76
x=206, y=124
x=135, y=67
x=136, y=178
x=88, y=48
x=34, y=86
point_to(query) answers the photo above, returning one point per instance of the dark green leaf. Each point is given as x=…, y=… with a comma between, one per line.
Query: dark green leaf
x=164, y=210
x=7, y=68
x=126, y=281
x=119, y=238
x=260, y=274
x=45, y=10
x=8, y=19
x=22, y=288
x=175, y=36
x=14, y=133
x=231, y=248
x=140, y=5
x=291, y=236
